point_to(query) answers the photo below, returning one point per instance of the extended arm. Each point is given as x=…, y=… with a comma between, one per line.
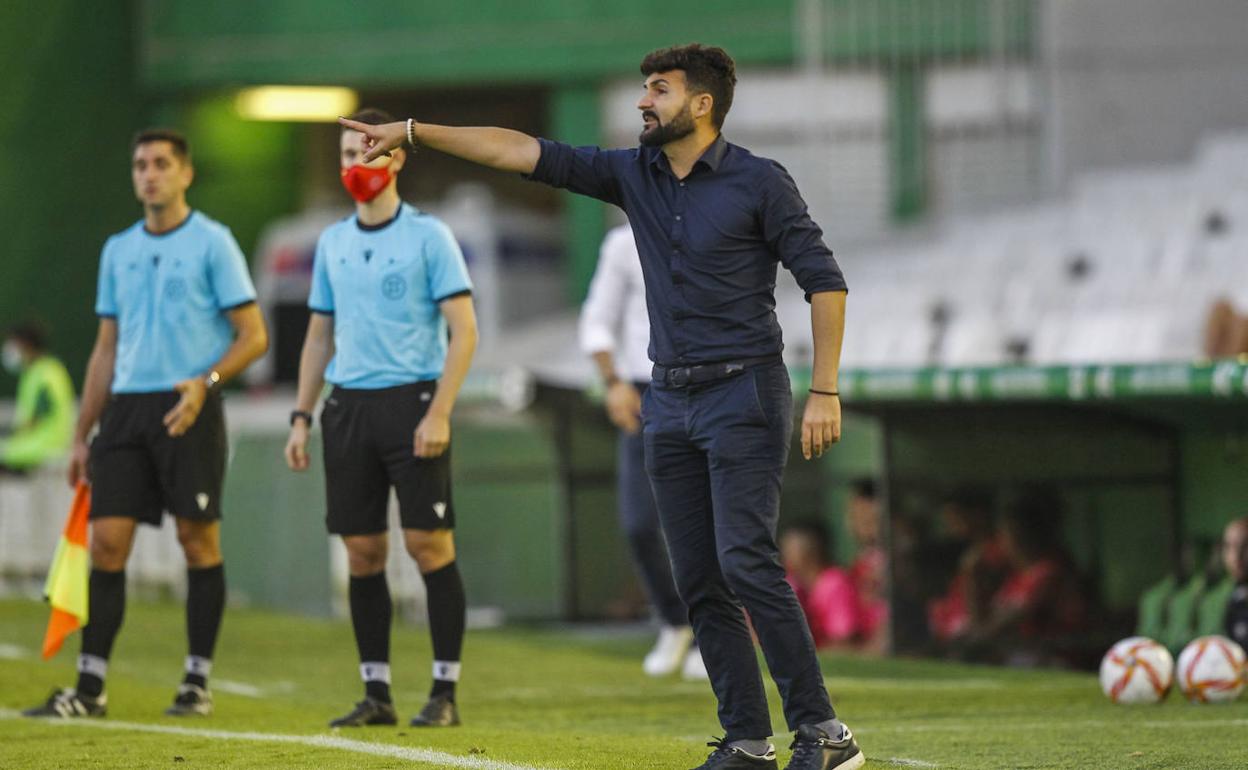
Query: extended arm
x=500, y=148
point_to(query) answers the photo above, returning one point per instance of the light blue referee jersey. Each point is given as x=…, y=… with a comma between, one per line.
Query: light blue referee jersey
x=169, y=294
x=383, y=285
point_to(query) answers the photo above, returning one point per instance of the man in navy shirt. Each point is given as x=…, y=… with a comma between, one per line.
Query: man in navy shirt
x=177, y=318
x=711, y=221
x=387, y=285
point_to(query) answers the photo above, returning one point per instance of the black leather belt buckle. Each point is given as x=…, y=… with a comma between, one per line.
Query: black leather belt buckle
x=678, y=378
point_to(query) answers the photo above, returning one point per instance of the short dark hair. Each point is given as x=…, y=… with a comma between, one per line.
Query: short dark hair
x=31, y=334
x=372, y=116
x=176, y=139
x=864, y=487
x=708, y=69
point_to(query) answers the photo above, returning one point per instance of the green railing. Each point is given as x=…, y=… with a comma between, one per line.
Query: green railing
x=1222, y=379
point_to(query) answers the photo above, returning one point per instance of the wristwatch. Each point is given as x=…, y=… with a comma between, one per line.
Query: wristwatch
x=299, y=414
x=212, y=380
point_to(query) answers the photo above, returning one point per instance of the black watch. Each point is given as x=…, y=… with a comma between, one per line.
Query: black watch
x=299, y=414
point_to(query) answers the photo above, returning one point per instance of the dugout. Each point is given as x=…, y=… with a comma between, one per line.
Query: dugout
x=1150, y=462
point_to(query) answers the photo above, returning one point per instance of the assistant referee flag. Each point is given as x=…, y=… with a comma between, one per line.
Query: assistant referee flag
x=66, y=589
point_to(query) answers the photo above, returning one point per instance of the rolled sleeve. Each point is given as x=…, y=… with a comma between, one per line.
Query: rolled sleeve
x=795, y=239
x=583, y=170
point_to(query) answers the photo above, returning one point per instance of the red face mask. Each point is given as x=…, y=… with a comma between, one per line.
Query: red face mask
x=364, y=182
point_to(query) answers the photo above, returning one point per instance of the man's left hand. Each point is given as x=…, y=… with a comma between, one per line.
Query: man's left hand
x=821, y=424
x=433, y=434
x=181, y=417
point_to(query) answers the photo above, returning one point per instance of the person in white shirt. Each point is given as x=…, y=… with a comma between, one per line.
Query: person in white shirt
x=615, y=331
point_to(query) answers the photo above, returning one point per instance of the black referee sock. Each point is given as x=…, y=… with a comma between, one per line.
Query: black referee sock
x=205, y=604
x=445, y=597
x=371, y=611
x=106, y=606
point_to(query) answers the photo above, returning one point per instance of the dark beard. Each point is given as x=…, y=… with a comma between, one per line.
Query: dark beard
x=679, y=127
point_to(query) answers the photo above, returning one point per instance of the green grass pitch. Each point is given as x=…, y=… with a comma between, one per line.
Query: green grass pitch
x=546, y=698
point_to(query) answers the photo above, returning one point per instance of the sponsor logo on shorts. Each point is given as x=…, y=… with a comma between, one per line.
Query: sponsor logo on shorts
x=202, y=501
x=440, y=509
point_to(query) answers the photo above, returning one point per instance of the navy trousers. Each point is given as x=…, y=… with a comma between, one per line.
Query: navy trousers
x=639, y=518
x=715, y=453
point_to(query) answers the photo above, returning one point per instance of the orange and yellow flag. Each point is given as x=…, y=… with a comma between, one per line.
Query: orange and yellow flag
x=66, y=589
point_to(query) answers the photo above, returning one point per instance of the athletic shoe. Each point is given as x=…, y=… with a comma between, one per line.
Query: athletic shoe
x=813, y=749
x=67, y=704
x=369, y=711
x=669, y=651
x=191, y=700
x=726, y=757
x=440, y=711
x=694, y=669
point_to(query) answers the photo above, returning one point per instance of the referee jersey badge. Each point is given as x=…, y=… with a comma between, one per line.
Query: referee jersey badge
x=440, y=509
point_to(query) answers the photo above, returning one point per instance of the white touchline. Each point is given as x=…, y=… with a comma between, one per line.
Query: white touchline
x=904, y=762
x=425, y=756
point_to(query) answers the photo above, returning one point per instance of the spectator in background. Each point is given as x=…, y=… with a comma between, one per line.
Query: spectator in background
x=1041, y=602
x=869, y=570
x=981, y=568
x=614, y=330
x=824, y=590
x=43, y=424
x=1235, y=558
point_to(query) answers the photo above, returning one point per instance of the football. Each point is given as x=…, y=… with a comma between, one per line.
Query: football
x=1137, y=670
x=1211, y=670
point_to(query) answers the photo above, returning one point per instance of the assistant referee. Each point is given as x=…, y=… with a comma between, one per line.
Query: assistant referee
x=387, y=285
x=177, y=318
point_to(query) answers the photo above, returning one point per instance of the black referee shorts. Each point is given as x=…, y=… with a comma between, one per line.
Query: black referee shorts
x=369, y=437
x=139, y=471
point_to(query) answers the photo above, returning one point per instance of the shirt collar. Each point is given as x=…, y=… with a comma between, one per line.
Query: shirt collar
x=711, y=157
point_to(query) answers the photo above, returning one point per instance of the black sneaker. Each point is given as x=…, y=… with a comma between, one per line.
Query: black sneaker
x=440, y=711
x=369, y=711
x=813, y=749
x=726, y=757
x=191, y=700
x=67, y=704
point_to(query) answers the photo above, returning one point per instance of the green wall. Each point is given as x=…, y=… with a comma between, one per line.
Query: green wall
x=419, y=43
x=68, y=106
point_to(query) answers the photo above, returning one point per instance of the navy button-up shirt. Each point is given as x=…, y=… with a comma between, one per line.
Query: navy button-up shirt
x=709, y=243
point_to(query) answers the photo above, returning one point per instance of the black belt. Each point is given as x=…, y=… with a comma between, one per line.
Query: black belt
x=683, y=376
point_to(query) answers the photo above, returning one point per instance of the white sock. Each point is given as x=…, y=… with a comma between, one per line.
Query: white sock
x=93, y=665
x=373, y=671
x=446, y=670
x=198, y=666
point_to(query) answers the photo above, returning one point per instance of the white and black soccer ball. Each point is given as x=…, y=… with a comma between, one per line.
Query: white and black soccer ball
x=1137, y=670
x=1212, y=670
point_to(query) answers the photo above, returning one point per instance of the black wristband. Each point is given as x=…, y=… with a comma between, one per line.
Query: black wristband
x=299, y=414
x=825, y=392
